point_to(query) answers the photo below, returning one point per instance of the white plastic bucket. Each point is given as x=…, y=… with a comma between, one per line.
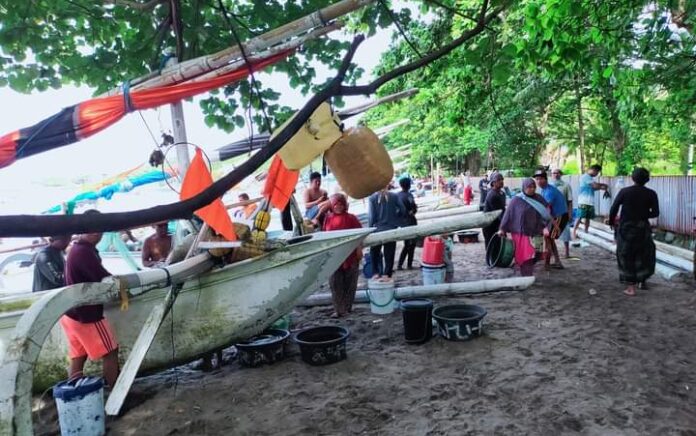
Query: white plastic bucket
x=80, y=404
x=381, y=296
x=433, y=274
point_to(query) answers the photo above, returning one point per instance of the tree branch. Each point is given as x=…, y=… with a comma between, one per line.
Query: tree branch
x=374, y=85
x=40, y=225
x=143, y=7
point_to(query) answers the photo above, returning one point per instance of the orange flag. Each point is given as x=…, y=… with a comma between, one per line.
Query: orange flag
x=280, y=183
x=197, y=179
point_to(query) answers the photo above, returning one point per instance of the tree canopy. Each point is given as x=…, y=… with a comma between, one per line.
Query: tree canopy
x=604, y=81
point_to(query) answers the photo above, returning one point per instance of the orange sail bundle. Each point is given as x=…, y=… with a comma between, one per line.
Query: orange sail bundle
x=82, y=120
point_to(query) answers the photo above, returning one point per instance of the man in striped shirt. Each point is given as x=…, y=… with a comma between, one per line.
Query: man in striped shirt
x=88, y=332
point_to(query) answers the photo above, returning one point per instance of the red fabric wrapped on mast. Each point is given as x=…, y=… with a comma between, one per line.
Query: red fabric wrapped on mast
x=87, y=118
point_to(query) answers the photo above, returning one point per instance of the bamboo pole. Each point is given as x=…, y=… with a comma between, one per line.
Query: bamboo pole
x=204, y=64
x=667, y=272
x=667, y=248
x=447, y=212
x=442, y=290
x=435, y=227
x=672, y=261
x=369, y=105
x=290, y=45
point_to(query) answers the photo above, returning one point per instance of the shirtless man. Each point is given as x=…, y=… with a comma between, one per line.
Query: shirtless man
x=316, y=200
x=157, y=247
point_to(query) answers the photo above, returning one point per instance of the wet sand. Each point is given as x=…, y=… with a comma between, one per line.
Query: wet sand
x=553, y=360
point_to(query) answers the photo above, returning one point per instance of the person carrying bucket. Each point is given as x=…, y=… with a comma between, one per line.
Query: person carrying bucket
x=526, y=216
x=343, y=282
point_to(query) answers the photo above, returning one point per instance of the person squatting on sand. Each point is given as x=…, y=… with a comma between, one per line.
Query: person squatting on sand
x=385, y=212
x=409, y=219
x=88, y=333
x=635, y=249
x=559, y=213
x=526, y=216
x=343, y=282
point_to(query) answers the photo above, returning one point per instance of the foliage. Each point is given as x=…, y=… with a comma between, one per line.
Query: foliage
x=548, y=63
x=49, y=43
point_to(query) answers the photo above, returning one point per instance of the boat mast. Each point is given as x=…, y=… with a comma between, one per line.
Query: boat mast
x=179, y=133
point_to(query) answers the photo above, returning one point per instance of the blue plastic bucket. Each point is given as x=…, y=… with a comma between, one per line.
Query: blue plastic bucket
x=433, y=274
x=80, y=404
x=381, y=296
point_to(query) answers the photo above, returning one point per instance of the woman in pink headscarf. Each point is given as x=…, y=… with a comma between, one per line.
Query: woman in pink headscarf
x=344, y=282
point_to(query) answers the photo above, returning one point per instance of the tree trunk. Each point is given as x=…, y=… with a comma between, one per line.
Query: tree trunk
x=581, y=131
x=620, y=139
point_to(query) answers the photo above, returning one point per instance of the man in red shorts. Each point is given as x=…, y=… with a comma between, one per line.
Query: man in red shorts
x=88, y=332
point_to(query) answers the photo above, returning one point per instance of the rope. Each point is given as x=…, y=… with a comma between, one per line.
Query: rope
x=123, y=294
x=248, y=64
x=169, y=276
x=398, y=26
x=127, y=102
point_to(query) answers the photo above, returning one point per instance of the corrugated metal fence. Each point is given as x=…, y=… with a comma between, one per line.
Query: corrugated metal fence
x=676, y=194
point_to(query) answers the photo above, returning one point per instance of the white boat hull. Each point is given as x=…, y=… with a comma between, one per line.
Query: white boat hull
x=213, y=310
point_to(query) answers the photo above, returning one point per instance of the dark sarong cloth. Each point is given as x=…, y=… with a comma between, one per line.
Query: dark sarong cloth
x=344, y=284
x=635, y=251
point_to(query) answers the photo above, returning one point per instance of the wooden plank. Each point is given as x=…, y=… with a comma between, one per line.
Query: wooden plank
x=140, y=347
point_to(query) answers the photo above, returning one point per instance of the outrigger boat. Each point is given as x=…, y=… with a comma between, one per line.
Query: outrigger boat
x=214, y=305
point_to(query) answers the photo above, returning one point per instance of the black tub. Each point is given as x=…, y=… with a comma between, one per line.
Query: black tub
x=322, y=345
x=458, y=322
x=268, y=347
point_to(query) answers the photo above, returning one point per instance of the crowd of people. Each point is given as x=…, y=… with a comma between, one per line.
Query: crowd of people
x=534, y=219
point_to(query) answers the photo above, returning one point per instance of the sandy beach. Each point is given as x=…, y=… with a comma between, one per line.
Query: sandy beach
x=553, y=360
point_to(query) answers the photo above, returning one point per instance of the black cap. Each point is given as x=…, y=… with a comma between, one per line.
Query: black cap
x=540, y=173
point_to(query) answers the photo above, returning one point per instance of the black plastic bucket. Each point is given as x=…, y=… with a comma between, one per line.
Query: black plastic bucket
x=458, y=322
x=268, y=347
x=322, y=345
x=418, y=320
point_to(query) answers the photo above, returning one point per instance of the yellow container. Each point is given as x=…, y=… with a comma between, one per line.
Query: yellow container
x=314, y=137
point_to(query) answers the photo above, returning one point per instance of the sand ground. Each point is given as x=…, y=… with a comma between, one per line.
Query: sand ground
x=553, y=360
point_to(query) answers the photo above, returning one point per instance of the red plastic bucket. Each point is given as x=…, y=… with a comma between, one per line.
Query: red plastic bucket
x=433, y=251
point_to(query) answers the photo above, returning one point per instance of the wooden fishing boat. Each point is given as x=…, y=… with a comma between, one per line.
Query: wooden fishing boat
x=213, y=310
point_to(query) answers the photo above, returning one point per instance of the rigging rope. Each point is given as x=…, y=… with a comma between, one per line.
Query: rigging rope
x=398, y=26
x=248, y=64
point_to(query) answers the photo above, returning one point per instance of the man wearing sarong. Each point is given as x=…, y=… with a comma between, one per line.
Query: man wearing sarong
x=559, y=214
x=525, y=217
x=567, y=191
x=586, y=190
x=635, y=249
